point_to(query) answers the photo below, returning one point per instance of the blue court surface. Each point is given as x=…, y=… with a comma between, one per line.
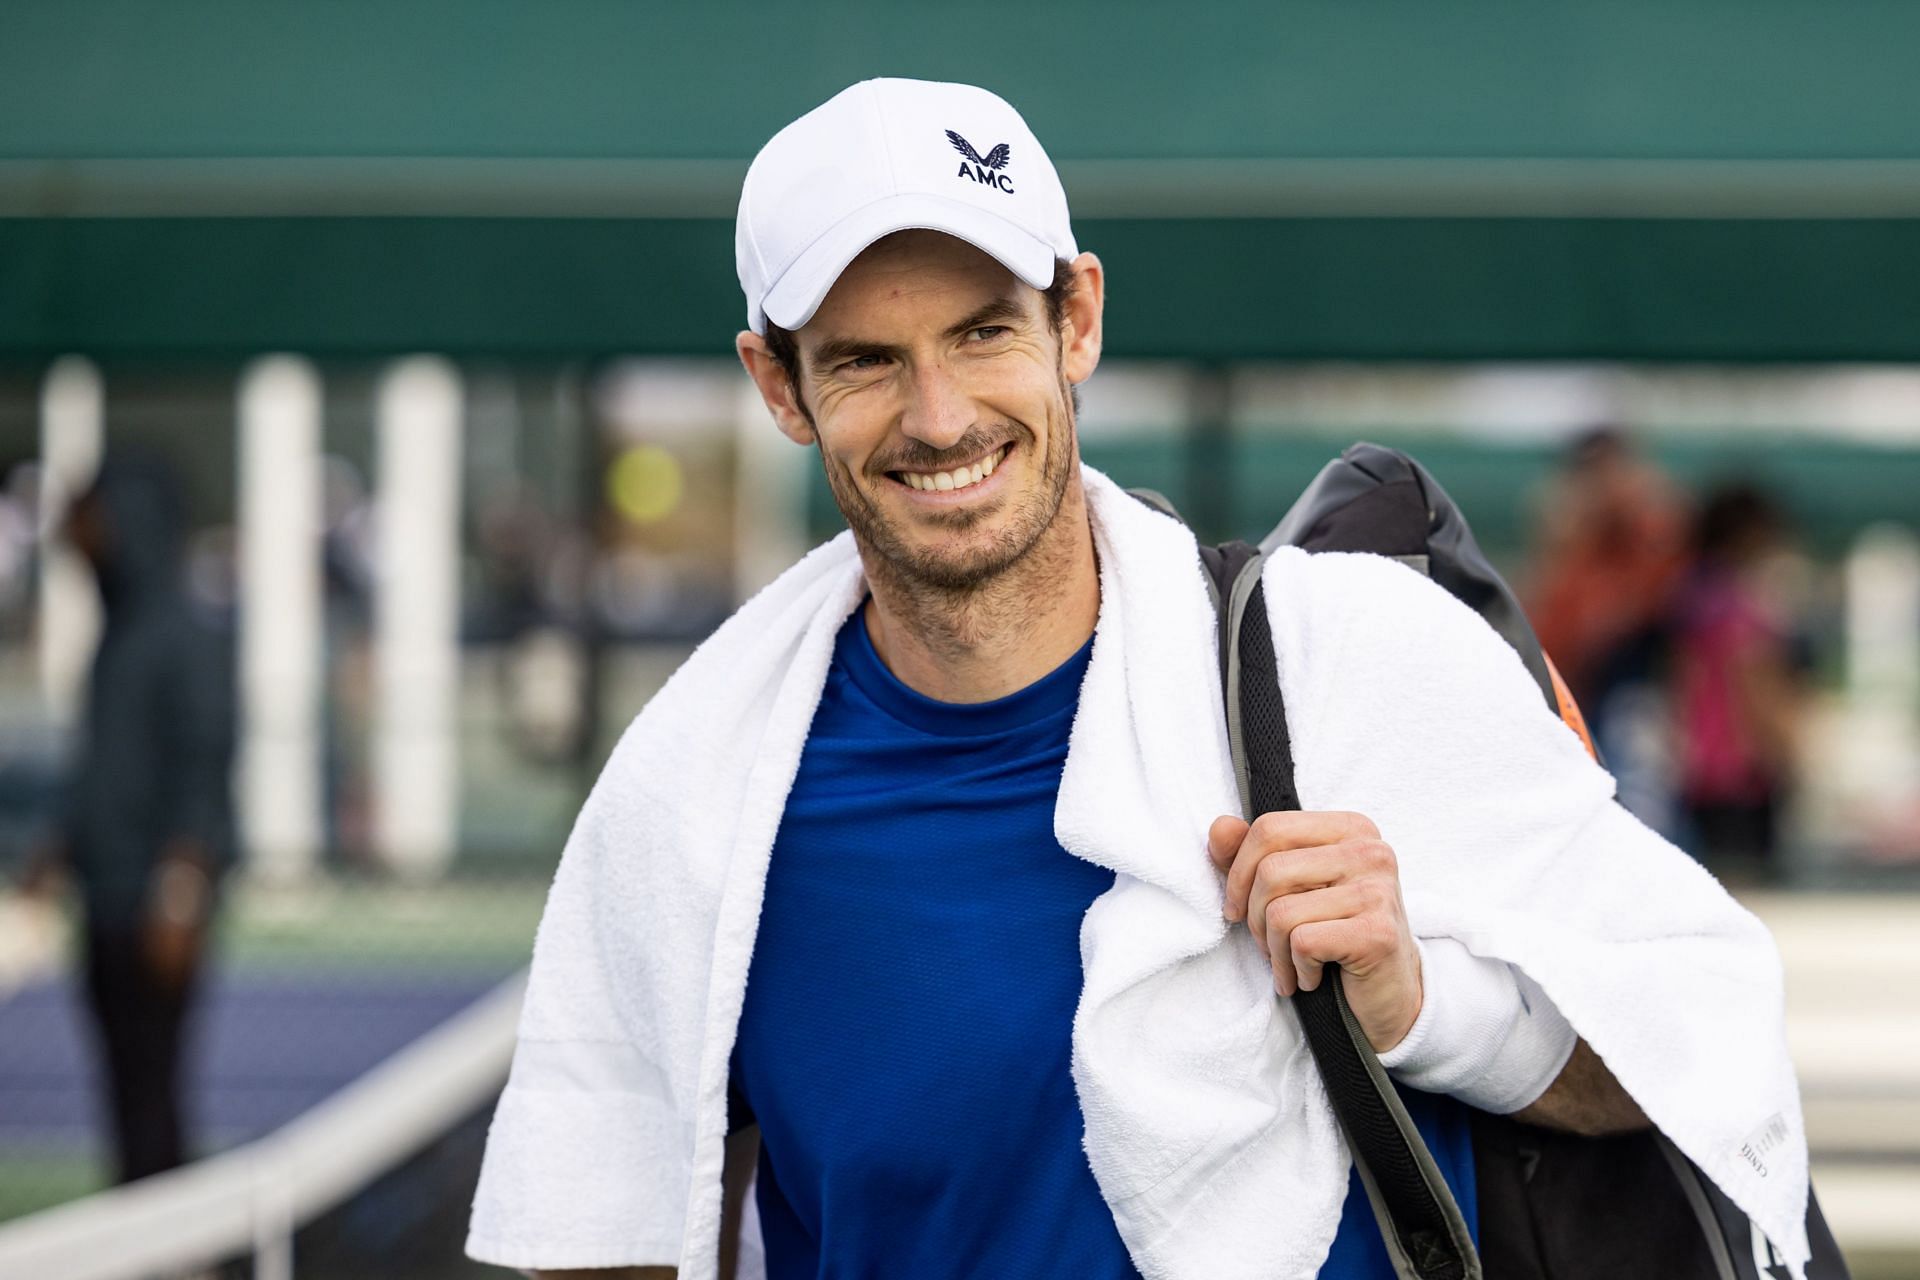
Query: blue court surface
x=299, y=1003
x=264, y=1049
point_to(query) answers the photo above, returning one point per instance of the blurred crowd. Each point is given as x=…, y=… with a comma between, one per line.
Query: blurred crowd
x=1676, y=619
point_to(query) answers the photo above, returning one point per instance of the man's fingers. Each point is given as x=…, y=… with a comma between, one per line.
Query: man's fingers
x=1297, y=828
x=1273, y=833
x=1306, y=975
x=1275, y=875
x=1274, y=923
x=1323, y=942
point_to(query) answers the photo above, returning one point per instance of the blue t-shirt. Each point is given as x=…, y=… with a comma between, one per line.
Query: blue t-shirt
x=906, y=1035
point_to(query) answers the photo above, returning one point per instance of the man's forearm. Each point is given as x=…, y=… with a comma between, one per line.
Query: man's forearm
x=1488, y=1035
x=1585, y=1099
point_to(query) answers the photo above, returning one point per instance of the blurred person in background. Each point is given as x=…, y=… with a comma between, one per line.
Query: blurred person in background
x=146, y=826
x=1611, y=551
x=1738, y=685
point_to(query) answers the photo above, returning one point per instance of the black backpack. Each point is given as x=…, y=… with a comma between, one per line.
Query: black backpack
x=1553, y=1206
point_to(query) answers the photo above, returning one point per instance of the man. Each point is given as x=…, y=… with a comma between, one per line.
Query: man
x=147, y=822
x=927, y=862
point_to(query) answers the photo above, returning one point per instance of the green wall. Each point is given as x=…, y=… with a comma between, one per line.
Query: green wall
x=1098, y=78
x=1369, y=288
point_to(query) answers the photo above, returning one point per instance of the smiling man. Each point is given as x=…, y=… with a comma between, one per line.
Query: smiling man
x=925, y=869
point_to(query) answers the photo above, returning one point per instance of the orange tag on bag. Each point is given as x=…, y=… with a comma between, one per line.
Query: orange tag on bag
x=1569, y=709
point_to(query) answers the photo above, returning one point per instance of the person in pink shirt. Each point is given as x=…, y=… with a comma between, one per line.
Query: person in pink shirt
x=1736, y=686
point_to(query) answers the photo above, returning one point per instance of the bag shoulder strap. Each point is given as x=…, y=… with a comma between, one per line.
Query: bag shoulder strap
x=1425, y=1234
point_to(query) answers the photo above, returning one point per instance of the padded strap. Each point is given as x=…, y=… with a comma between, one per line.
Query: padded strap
x=1425, y=1233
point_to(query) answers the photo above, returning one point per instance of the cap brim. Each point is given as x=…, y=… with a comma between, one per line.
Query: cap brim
x=797, y=294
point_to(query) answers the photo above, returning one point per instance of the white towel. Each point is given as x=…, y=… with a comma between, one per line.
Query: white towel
x=607, y=1145
x=1207, y=1127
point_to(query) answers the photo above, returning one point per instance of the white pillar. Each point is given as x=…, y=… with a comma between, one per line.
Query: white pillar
x=281, y=618
x=416, y=617
x=1883, y=620
x=769, y=497
x=72, y=428
x=1869, y=762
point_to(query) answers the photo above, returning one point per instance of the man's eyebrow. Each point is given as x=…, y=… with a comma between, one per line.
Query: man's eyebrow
x=832, y=351
x=1001, y=308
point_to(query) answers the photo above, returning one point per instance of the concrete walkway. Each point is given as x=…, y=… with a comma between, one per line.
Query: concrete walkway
x=1853, y=1025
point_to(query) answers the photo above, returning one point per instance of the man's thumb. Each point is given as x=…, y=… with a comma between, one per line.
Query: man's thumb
x=1224, y=837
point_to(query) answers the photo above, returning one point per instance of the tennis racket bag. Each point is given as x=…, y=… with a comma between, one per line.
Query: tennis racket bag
x=1552, y=1206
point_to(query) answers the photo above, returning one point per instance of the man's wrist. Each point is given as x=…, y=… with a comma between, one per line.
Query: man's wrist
x=1486, y=1033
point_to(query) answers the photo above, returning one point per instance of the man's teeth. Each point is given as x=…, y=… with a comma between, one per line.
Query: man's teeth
x=959, y=477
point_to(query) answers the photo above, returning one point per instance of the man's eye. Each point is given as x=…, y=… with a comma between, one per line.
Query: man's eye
x=988, y=332
x=864, y=362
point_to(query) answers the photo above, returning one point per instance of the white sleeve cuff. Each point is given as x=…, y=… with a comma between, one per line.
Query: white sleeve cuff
x=1487, y=1034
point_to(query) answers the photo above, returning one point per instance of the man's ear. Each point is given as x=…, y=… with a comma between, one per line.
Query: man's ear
x=1081, y=319
x=776, y=388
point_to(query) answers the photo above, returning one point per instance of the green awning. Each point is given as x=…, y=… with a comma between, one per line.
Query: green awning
x=1222, y=289
x=1713, y=181
x=1621, y=79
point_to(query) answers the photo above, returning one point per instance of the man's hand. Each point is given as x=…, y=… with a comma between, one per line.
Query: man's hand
x=1324, y=888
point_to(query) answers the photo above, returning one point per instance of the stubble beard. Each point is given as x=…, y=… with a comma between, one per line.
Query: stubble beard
x=930, y=576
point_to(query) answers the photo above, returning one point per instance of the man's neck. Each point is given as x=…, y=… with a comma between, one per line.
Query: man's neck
x=1003, y=635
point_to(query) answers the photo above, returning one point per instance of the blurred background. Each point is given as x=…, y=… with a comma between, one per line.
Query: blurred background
x=420, y=317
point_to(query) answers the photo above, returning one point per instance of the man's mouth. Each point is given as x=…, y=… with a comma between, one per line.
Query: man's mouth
x=956, y=478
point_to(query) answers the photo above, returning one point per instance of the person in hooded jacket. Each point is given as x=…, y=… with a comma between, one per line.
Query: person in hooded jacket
x=146, y=826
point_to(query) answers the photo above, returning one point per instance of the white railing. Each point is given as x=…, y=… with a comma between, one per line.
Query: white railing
x=251, y=1199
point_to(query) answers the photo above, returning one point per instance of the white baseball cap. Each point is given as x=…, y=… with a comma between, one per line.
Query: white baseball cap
x=884, y=156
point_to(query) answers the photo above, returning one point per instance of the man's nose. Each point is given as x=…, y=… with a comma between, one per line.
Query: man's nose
x=938, y=411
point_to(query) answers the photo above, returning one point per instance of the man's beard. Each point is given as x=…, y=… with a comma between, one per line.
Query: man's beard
x=890, y=553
